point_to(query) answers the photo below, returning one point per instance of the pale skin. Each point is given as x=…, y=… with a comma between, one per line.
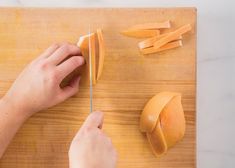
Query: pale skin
x=90, y=146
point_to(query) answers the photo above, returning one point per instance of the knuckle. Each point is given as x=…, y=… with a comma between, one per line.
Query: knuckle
x=65, y=47
x=53, y=77
x=75, y=61
x=43, y=65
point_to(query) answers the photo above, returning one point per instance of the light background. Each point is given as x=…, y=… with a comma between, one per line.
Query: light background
x=215, y=70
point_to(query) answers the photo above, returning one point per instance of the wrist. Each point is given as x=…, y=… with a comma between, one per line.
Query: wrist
x=14, y=109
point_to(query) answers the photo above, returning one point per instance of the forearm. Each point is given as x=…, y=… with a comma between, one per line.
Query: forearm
x=11, y=119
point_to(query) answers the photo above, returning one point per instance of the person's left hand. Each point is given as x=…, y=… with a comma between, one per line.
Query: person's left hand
x=38, y=85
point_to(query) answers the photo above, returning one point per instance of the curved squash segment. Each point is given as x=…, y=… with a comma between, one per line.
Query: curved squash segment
x=163, y=121
x=172, y=121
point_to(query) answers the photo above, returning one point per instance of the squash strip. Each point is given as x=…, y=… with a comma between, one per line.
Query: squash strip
x=167, y=46
x=157, y=141
x=171, y=36
x=93, y=59
x=139, y=33
x=150, y=41
x=83, y=43
x=155, y=25
x=101, y=53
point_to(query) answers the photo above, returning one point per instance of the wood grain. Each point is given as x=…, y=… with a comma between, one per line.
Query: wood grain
x=129, y=79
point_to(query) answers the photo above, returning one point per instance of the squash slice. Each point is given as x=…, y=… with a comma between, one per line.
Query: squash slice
x=84, y=69
x=167, y=46
x=157, y=141
x=152, y=110
x=163, y=121
x=97, y=59
x=83, y=43
x=101, y=53
x=171, y=36
x=141, y=33
x=150, y=41
x=172, y=121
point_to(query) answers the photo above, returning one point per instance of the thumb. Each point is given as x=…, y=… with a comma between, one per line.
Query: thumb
x=95, y=119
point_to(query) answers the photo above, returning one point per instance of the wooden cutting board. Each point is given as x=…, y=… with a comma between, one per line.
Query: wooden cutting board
x=128, y=81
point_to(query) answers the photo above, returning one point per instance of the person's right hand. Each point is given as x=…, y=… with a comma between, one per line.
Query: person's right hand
x=91, y=148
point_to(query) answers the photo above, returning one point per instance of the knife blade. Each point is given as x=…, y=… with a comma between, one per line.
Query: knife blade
x=90, y=72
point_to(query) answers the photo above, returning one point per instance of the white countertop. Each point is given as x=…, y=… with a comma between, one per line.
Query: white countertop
x=215, y=70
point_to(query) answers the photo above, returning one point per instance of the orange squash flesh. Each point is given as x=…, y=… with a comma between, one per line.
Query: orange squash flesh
x=167, y=46
x=172, y=121
x=93, y=59
x=140, y=33
x=155, y=25
x=83, y=43
x=163, y=121
x=84, y=69
x=157, y=141
x=171, y=36
x=152, y=110
x=150, y=41
x=101, y=53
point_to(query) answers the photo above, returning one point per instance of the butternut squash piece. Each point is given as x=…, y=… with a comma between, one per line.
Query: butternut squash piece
x=157, y=141
x=97, y=59
x=83, y=43
x=84, y=69
x=171, y=36
x=152, y=110
x=93, y=59
x=167, y=46
x=140, y=33
x=154, y=25
x=150, y=41
x=101, y=53
x=163, y=121
x=172, y=121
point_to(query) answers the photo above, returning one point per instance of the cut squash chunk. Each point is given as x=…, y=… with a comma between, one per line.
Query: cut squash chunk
x=97, y=59
x=93, y=59
x=101, y=53
x=172, y=121
x=152, y=110
x=171, y=36
x=168, y=46
x=150, y=41
x=81, y=70
x=155, y=25
x=140, y=33
x=83, y=43
x=163, y=121
x=157, y=141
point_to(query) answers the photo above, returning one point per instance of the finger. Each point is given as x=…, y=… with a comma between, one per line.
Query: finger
x=70, y=89
x=63, y=52
x=50, y=50
x=95, y=119
x=69, y=65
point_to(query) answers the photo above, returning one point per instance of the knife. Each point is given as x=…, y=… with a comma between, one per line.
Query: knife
x=90, y=72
